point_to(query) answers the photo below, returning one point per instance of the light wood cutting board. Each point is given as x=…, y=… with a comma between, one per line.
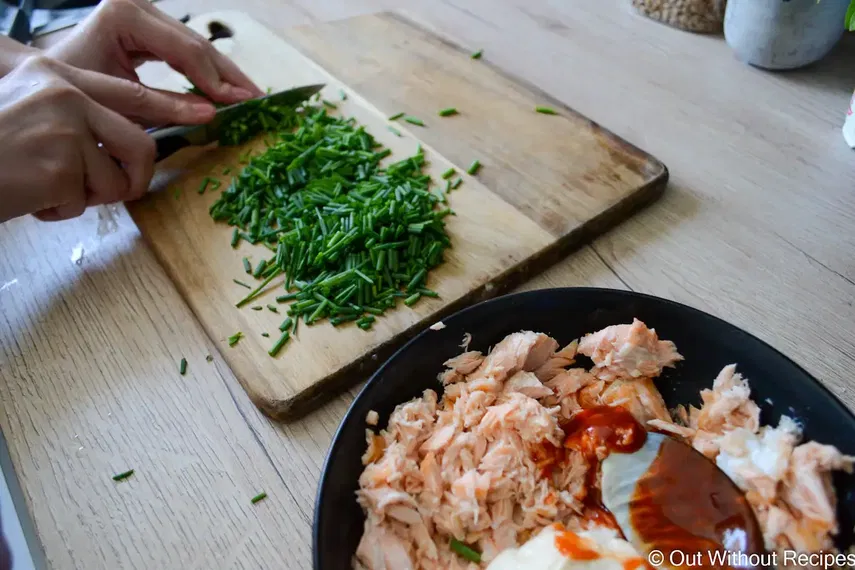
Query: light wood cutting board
x=548, y=183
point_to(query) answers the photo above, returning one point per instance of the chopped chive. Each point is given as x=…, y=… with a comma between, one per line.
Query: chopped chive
x=394, y=131
x=329, y=104
x=204, y=185
x=259, y=497
x=286, y=298
x=254, y=293
x=235, y=237
x=448, y=174
x=233, y=340
x=265, y=335
x=396, y=116
x=279, y=343
x=273, y=308
x=209, y=358
x=176, y=192
x=285, y=324
x=227, y=171
x=411, y=300
x=456, y=183
x=465, y=551
x=215, y=184
x=342, y=94
x=477, y=54
x=447, y=112
x=259, y=269
x=246, y=265
x=182, y=367
x=241, y=283
x=257, y=308
x=545, y=110
x=474, y=167
x=414, y=121
x=124, y=475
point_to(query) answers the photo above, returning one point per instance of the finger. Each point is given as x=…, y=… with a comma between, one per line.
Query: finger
x=193, y=56
x=106, y=182
x=127, y=143
x=138, y=102
x=67, y=211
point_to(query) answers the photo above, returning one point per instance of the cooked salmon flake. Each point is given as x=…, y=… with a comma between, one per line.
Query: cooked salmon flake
x=484, y=463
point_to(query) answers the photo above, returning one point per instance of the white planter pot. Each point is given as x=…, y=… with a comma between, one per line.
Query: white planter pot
x=783, y=34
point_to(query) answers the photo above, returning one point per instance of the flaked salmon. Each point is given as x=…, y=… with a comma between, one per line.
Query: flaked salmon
x=484, y=463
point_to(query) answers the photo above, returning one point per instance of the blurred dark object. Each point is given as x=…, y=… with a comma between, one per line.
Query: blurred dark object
x=700, y=16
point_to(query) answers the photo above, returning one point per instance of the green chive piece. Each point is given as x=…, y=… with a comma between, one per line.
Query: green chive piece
x=233, y=340
x=235, y=237
x=474, y=167
x=273, y=308
x=285, y=324
x=265, y=335
x=177, y=193
x=204, y=184
x=394, y=131
x=447, y=112
x=257, y=308
x=456, y=183
x=182, y=367
x=477, y=54
x=329, y=104
x=279, y=343
x=396, y=116
x=241, y=283
x=227, y=171
x=123, y=476
x=411, y=300
x=342, y=94
x=259, y=269
x=546, y=110
x=465, y=551
x=286, y=298
x=261, y=496
x=254, y=293
x=414, y=121
x=246, y=265
x=448, y=174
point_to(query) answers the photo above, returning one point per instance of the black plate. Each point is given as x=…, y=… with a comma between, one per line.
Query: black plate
x=778, y=385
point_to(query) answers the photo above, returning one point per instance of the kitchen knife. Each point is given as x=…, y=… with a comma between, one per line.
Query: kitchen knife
x=172, y=139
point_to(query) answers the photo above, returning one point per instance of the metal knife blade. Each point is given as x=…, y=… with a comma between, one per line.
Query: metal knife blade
x=171, y=139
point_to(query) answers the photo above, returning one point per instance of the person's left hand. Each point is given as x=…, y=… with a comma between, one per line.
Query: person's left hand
x=122, y=34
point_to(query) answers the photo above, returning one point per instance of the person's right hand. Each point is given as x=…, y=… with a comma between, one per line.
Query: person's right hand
x=67, y=144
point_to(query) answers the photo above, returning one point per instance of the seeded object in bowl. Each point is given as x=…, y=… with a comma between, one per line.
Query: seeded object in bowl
x=476, y=466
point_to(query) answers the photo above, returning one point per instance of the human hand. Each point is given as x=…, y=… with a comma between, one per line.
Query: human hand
x=122, y=34
x=66, y=142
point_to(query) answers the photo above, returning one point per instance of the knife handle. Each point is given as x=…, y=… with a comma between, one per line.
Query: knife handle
x=169, y=145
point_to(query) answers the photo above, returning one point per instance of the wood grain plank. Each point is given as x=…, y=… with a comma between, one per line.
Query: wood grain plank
x=549, y=213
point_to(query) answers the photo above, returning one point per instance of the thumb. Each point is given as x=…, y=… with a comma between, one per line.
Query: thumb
x=139, y=103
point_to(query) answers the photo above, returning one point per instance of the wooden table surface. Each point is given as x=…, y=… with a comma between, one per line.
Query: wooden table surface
x=756, y=228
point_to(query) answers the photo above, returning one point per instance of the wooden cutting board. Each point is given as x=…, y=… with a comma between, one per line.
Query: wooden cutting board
x=548, y=184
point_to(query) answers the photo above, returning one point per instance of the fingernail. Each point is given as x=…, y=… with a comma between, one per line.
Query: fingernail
x=203, y=110
x=241, y=93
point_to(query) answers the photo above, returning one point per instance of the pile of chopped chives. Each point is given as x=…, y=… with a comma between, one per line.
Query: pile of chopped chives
x=348, y=237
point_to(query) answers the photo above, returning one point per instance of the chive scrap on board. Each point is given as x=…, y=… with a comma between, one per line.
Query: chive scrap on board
x=329, y=104
x=265, y=335
x=351, y=235
x=209, y=358
x=448, y=174
x=261, y=496
x=257, y=308
x=394, y=131
x=215, y=184
x=456, y=183
x=396, y=116
x=123, y=476
x=465, y=551
x=204, y=184
x=447, y=112
x=414, y=121
x=247, y=267
x=241, y=283
x=273, y=308
x=474, y=167
x=235, y=237
x=546, y=110
x=279, y=343
x=477, y=54
x=227, y=171
x=182, y=367
x=233, y=340
x=342, y=94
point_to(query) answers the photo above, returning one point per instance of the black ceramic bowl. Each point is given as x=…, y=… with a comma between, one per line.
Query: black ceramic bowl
x=778, y=385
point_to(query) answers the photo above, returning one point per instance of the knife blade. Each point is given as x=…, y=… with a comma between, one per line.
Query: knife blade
x=171, y=139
